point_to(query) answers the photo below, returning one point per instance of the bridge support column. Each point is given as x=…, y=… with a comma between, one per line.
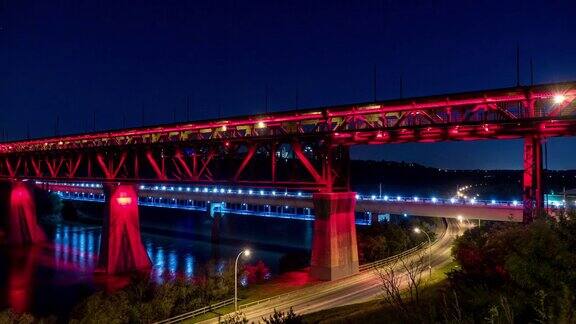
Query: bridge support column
x=212, y=209
x=121, y=248
x=533, y=196
x=334, y=247
x=23, y=228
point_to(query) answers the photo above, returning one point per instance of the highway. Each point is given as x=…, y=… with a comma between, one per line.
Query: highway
x=355, y=289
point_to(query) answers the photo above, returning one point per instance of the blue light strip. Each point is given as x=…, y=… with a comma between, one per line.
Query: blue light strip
x=177, y=204
x=306, y=195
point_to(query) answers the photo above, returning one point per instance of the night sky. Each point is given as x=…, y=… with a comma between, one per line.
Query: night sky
x=71, y=58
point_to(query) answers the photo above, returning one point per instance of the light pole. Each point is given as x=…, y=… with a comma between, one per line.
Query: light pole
x=417, y=230
x=461, y=219
x=247, y=253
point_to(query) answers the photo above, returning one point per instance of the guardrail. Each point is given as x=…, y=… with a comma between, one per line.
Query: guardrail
x=383, y=262
x=362, y=268
x=196, y=312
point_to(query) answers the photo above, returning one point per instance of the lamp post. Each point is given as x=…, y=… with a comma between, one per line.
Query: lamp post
x=247, y=253
x=417, y=230
x=461, y=219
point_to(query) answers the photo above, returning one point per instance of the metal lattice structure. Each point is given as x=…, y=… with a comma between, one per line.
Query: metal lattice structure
x=301, y=148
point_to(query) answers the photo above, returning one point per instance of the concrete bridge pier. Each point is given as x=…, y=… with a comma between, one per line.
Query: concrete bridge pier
x=533, y=195
x=121, y=248
x=334, y=246
x=23, y=227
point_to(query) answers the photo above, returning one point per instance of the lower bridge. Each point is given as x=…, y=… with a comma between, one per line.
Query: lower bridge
x=334, y=252
x=296, y=205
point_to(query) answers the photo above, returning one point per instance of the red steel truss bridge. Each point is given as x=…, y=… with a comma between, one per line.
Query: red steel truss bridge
x=304, y=149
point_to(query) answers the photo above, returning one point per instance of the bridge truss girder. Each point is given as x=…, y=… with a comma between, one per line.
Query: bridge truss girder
x=312, y=165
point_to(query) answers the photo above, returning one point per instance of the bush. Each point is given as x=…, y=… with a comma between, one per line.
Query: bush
x=280, y=317
x=381, y=240
x=524, y=270
x=143, y=301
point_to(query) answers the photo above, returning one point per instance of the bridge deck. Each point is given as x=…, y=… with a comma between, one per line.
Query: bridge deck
x=432, y=207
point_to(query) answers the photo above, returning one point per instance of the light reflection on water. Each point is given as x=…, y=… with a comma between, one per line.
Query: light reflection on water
x=53, y=277
x=77, y=246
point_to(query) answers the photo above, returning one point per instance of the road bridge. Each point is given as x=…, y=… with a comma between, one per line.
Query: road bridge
x=283, y=204
x=305, y=149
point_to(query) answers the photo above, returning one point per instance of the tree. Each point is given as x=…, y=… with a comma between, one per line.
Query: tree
x=234, y=318
x=401, y=286
x=280, y=317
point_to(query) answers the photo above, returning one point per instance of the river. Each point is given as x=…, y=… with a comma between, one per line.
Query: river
x=53, y=277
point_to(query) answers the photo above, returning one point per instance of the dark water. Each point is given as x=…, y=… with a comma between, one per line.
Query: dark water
x=53, y=277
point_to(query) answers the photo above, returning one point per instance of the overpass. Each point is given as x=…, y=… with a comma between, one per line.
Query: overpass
x=290, y=204
x=301, y=149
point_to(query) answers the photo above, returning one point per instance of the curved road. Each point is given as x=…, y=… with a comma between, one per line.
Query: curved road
x=355, y=289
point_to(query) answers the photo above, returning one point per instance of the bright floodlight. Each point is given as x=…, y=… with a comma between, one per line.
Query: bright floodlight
x=460, y=218
x=261, y=124
x=417, y=230
x=558, y=99
x=247, y=252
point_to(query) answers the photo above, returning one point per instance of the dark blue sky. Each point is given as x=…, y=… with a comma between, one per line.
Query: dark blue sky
x=73, y=57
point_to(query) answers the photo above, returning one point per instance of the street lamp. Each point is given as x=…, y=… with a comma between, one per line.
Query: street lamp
x=461, y=219
x=417, y=230
x=247, y=253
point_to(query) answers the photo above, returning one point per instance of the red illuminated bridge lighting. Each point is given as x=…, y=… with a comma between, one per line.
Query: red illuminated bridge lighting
x=559, y=98
x=123, y=200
